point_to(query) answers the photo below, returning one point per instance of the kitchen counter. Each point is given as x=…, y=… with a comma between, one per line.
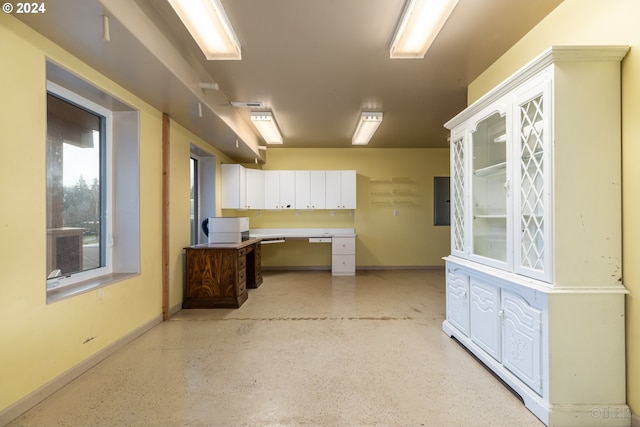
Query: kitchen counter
x=238, y=245
x=300, y=233
x=342, y=240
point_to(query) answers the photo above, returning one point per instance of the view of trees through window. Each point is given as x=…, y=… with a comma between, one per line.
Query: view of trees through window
x=74, y=191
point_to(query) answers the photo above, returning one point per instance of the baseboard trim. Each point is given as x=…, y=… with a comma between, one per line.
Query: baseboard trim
x=176, y=308
x=359, y=267
x=16, y=409
x=635, y=420
x=297, y=268
x=400, y=267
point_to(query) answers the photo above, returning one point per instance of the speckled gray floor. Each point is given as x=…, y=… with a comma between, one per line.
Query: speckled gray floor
x=306, y=349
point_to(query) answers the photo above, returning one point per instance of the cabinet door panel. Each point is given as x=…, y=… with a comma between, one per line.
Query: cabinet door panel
x=490, y=188
x=272, y=189
x=484, y=316
x=459, y=188
x=317, y=186
x=458, y=300
x=255, y=189
x=333, y=196
x=234, y=191
x=522, y=335
x=287, y=190
x=348, y=189
x=532, y=178
x=303, y=189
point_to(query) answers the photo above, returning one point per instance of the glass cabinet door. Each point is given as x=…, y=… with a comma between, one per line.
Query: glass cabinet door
x=489, y=192
x=458, y=198
x=532, y=179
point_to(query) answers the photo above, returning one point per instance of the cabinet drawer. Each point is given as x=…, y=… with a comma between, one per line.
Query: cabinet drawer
x=343, y=264
x=343, y=246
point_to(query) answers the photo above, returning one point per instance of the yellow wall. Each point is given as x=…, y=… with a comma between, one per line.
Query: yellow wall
x=180, y=234
x=41, y=341
x=384, y=240
x=597, y=22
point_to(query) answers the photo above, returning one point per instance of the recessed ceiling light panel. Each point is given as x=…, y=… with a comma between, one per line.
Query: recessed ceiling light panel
x=266, y=125
x=421, y=22
x=367, y=126
x=209, y=26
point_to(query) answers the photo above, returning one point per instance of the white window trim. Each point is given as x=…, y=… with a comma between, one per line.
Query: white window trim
x=124, y=161
x=89, y=275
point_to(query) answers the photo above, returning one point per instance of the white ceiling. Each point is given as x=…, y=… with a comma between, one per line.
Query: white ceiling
x=315, y=64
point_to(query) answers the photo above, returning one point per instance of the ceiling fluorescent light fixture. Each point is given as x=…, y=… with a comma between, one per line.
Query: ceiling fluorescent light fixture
x=367, y=126
x=209, y=26
x=421, y=22
x=266, y=125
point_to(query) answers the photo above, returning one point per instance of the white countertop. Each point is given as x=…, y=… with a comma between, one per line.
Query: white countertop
x=300, y=233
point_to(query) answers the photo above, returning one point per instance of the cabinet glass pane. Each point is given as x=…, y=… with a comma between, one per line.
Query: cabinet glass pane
x=489, y=195
x=532, y=147
x=459, y=189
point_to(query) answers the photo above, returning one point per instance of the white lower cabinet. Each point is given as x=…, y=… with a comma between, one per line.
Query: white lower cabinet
x=521, y=339
x=484, y=308
x=343, y=256
x=562, y=351
x=458, y=300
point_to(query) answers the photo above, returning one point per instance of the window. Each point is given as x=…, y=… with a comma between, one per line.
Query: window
x=195, y=209
x=92, y=187
x=77, y=187
x=203, y=191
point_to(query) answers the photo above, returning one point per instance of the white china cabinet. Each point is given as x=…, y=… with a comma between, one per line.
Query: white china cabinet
x=534, y=280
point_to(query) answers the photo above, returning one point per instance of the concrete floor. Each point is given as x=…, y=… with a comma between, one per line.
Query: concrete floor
x=306, y=349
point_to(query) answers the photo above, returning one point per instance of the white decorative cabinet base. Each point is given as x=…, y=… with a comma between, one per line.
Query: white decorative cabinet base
x=562, y=350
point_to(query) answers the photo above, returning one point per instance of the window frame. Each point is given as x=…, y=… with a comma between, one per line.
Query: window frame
x=195, y=208
x=106, y=186
x=126, y=233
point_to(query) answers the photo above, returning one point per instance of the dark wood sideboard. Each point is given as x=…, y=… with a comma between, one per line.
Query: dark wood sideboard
x=218, y=274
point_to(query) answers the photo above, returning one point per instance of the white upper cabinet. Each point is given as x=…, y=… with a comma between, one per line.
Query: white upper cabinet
x=341, y=189
x=234, y=186
x=535, y=167
x=279, y=189
x=242, y=188
x=246, y=188
x=310, y=189
x=255, y=189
